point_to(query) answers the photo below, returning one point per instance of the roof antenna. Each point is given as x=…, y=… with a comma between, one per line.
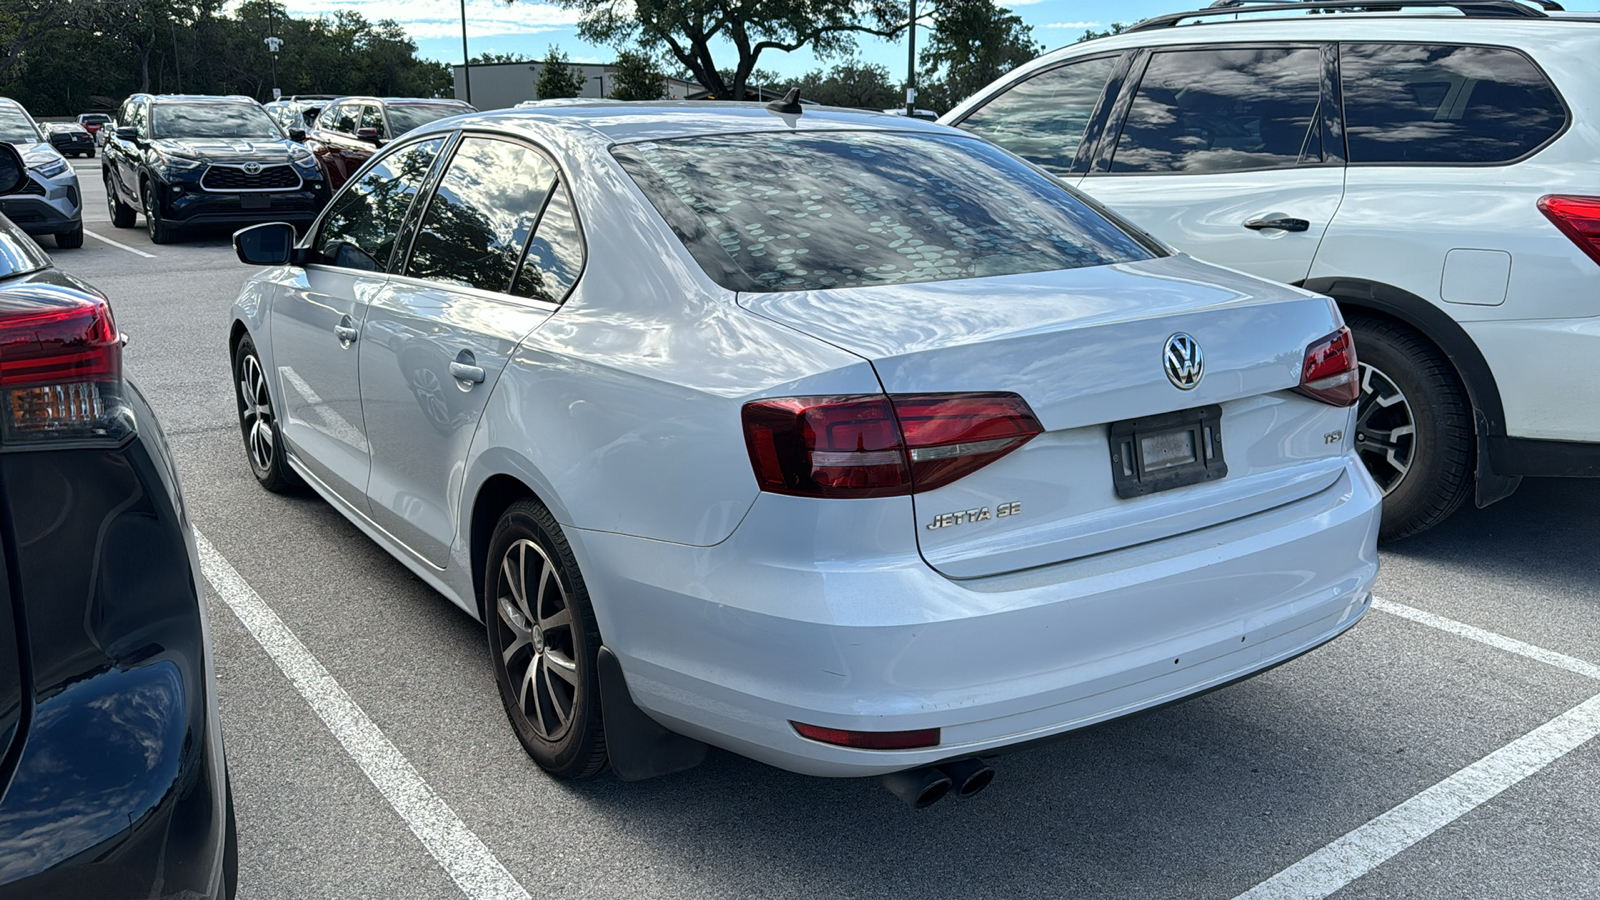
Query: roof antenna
x=789, y=104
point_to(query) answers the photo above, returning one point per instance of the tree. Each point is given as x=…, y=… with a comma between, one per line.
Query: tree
x=851, y=83
x=491, y=58
x=557, y=78
x=637, y=77
x=696, y=31
x=1090, y=34
x=25, y=22
x=973, y=43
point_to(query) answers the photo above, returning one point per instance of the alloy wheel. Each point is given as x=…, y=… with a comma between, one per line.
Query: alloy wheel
x=1386, y=429
x=255, y=413
x=535, y=621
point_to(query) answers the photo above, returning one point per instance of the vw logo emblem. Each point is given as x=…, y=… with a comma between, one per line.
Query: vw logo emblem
x=251, y=168
x=1184, y=362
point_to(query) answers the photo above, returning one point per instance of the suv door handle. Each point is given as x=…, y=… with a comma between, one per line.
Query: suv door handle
x=1286, y=224
x=463, y=372
x=346, y=334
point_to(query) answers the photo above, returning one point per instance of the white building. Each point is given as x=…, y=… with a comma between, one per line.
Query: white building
x=503, y=85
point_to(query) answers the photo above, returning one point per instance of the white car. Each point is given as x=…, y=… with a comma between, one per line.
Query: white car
x=1429, y=165
x=846, y=442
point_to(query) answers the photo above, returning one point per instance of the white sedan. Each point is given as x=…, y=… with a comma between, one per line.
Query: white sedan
x=846, y=442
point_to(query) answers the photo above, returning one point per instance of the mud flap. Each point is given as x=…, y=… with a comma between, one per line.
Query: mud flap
x=1491, y=486
x=637, y=744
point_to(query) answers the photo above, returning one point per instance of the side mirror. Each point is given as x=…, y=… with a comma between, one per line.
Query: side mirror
x=127, y=132
x=297, y=134
x=13, y=171
x=271, y=244
x=367, y=134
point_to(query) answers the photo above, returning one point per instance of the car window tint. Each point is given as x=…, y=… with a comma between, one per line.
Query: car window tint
x=345, y=119
x=1420, y=103
x=406, y=116
x=1043, y=118
x=787, y=211
x=481, y=214
x=555, y=254
x=1200, y=111
x=371, y=117
x=360, y=227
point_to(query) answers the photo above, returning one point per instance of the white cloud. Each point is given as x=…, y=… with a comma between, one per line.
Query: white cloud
x=425, y=19
x=1074, y=25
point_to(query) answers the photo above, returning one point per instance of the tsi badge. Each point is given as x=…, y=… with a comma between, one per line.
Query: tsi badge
x=981, y=514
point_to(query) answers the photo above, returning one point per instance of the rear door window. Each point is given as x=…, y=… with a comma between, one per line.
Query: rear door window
x=482, y=214
x=555, y=254
x=812, y=210
x=1422, y=103
x=360, y=228
x=1204, y=111
x=1044, y=117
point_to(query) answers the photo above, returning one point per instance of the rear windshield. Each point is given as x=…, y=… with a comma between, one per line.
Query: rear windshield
x=788, y=212
x=403, y=118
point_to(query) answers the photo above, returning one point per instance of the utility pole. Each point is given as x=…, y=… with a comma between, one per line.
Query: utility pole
x=466, y=61
x=273, y=43
x=911, y=64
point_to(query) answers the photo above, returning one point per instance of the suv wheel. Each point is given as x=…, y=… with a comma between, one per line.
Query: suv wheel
x=1413, y=427
x=543, y=642
x=122, y=215
x=70, y=240
x=160, y=231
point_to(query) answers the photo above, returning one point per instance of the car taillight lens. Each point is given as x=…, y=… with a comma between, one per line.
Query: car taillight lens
x=870, y=740
x=1578, y=218
x=880, y=445
x=1329, y=371
x=60, y=369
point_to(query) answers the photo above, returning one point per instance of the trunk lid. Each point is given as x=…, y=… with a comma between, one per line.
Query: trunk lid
x=1085, y=347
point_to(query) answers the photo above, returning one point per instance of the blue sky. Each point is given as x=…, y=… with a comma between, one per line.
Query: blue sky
x=531, y=27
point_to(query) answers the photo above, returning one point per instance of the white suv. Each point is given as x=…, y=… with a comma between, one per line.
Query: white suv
x=1431, y=167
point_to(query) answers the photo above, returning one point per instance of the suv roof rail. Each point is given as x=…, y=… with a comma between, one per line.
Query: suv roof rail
x=1476, y=9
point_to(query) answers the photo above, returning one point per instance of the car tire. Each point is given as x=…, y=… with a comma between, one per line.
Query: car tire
x=1413, y=427
x=160, y=230
x=122, y=215
x=70, y=240
x=544, y=643
x=258, y=422
x=90, y=154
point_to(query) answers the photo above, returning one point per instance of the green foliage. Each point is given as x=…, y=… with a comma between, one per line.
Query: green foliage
x=1090, y=34
x=973, y=43
x=490, y=58
x=852, y=83
x=637, y=76
x=699, y=33
x=124, y=46
x=557, y=78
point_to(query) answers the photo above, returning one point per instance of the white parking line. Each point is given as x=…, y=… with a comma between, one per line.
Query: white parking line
x=1358, y=852
x=467, y=860
x=134, y=250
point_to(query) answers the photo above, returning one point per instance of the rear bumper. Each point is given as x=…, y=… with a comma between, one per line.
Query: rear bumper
x=729, y=644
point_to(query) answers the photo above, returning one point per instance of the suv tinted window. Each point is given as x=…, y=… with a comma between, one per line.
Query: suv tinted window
x=859, y=208
x=360, y=227
x=555, y=255
x=1043, y=118
x=1203, y=111
x=344, y=118
x=371, y=117
x=481, y=214
x=1422, y=103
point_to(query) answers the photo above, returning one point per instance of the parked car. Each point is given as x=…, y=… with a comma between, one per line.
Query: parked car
x=881, y=460
x=69, y=138
x=113, y=782
x=47, y=201
x=186, y=161
x=1432, y=173
x=95, y=124
x=348, y=132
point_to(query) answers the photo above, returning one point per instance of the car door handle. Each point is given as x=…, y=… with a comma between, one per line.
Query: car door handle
x=463, y=372
x=346, y=334
x=1285, y=224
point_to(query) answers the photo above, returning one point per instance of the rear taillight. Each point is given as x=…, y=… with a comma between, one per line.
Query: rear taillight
x=880, y=445
x=1578, y=218
x=60, y=368
x=870, y=740
x=1329, y=371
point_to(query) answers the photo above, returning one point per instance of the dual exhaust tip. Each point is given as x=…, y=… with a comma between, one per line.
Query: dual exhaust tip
x=921, y=788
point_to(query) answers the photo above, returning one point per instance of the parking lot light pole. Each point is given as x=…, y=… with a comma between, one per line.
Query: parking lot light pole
x=466, y=61
x=911, y=63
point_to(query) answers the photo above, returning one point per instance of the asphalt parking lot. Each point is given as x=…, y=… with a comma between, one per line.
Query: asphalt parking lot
x=1442, y=749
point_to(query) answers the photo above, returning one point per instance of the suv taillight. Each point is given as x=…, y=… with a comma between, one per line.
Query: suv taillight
x=60, y=369
x=880, y=445
x=1329, y=371
x=1577, y=217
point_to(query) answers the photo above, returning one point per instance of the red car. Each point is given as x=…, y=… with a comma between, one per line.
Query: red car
x=93, y=122
x=351, y=129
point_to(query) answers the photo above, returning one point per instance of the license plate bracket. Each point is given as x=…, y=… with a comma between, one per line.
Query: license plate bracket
x=1165, y=451
x=255, y=201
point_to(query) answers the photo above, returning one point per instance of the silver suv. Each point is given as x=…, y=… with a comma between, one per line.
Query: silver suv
x=1430, y=165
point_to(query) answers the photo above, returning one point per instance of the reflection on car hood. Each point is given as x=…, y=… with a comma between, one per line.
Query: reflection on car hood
x=36, y=155
x=227, y=150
